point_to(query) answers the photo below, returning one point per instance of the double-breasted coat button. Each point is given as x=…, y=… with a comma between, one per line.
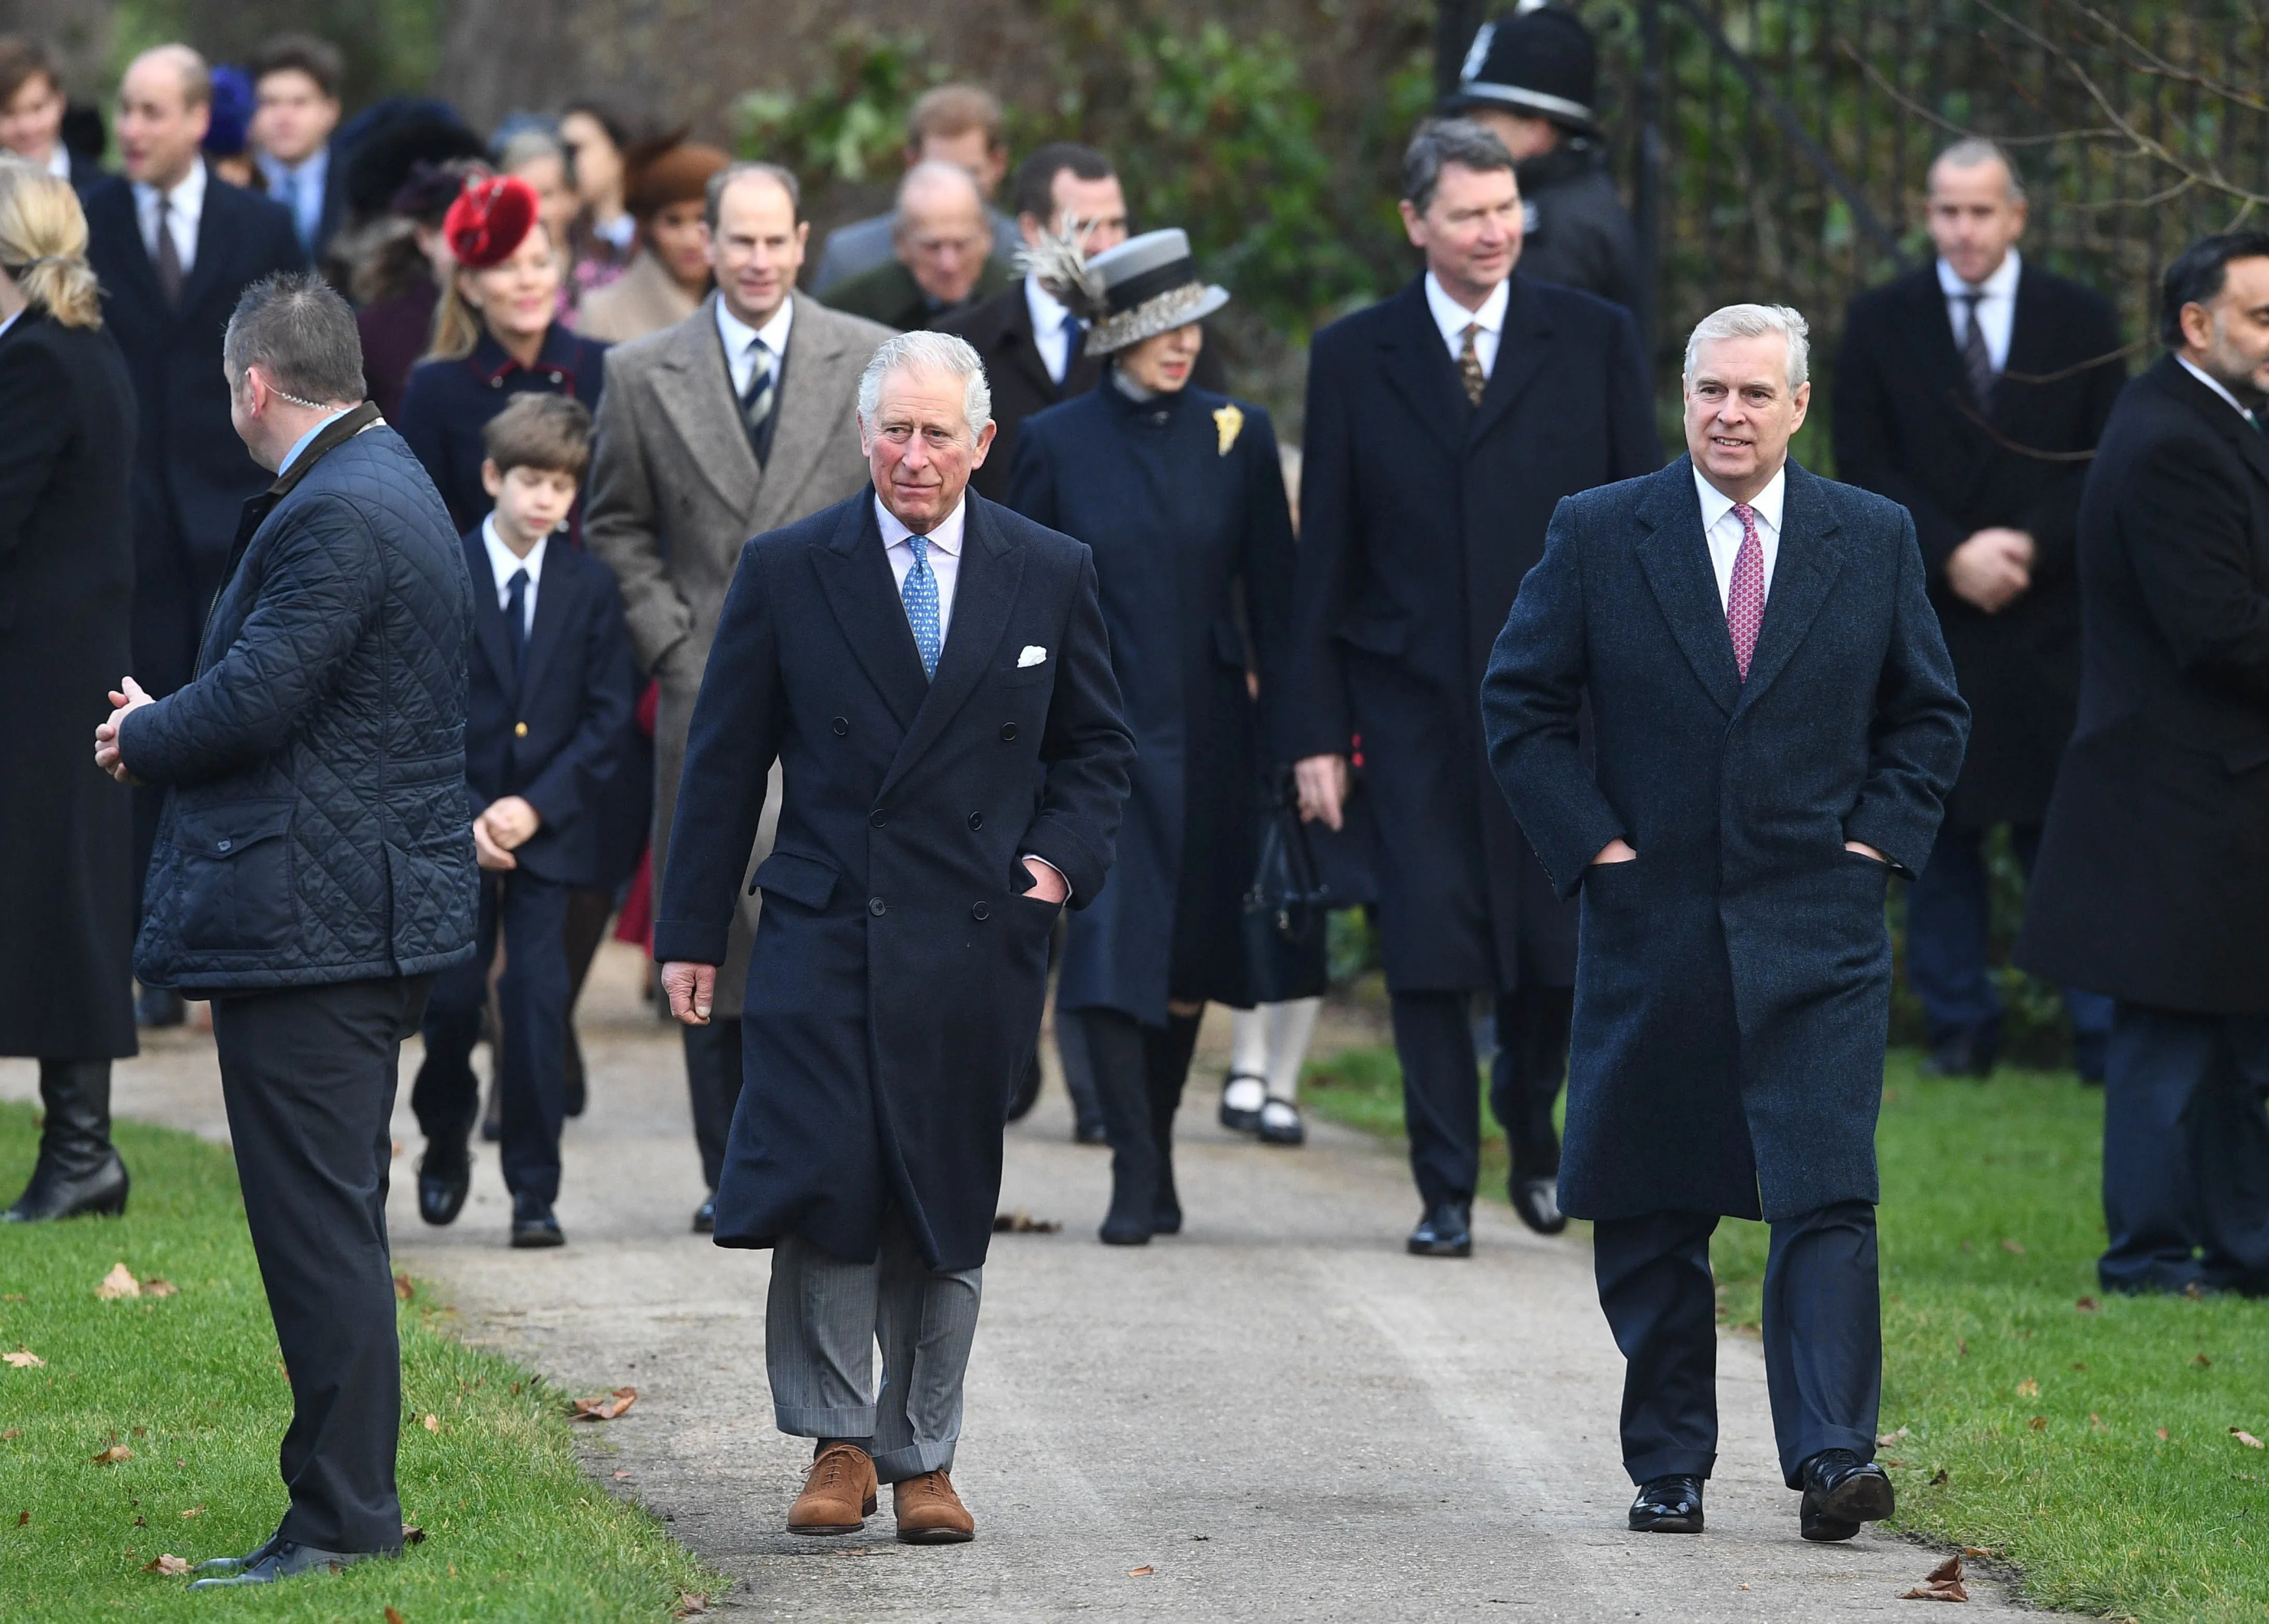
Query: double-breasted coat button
x=976, y=820
x=561, y=377
x=874, y=906
x=1007, y=732
x=497, y=382
x=980, y=912
x=842, y=725
x=519, y=730
x=224, y=844
x=878, y=817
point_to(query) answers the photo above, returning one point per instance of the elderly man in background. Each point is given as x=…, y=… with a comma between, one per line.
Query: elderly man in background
x=932, y=671
x=943, y=261
x=958, y=124
x=1774, y=726
x=314, y=872
x=737, y=420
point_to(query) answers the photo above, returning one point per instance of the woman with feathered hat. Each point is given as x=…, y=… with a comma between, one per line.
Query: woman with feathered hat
x=1178, y=492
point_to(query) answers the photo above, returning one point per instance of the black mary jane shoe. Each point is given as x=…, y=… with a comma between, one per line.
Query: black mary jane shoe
x=1668, y=1505
x=1281, y=1123
x=443, y=1182
x=704, y=1217
x=1537, y=1200
x=1235, y=1120
x=280, y=1559
x=1840, y=1493
x=1445, y=1231
x=533, y=1226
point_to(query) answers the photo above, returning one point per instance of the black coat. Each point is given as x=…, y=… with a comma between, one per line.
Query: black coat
x=895, y=987
x=1000, y=331
x=1181, y=498
x=1574, y=232
x=1733, y=995
x=1419, y=516
x=559, y=732
x=2152, y=879
x=66, y=593
x=314, y=828
x=449, y=403
x=192, y=475
x=1906, y=427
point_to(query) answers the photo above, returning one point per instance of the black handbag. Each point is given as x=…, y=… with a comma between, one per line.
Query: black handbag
x=1284, y=910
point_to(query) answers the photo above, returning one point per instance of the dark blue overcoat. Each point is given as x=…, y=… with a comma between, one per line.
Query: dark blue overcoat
x=1733, y=984
x=895, y=986
x=1181, y=498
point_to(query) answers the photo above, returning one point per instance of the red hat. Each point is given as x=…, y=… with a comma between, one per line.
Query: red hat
x=489, y=221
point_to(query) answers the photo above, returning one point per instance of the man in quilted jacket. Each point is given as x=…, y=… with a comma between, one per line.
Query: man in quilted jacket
x=313, y=872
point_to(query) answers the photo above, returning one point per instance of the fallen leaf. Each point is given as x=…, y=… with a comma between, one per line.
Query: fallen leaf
x=1979, y=1550
x=2201, y=1361
x=2078, y=1365
x=432, y=1423
x=158, y=1286
x=1022, y=1222
x=1892, y=1461
x=515, y=1390
x=2017, y=1247
x=169, y=1564
x=404, y=1288
x=1143, y=1572
x=140, y=1522
x=2095, y=1422
x=689, y=1605
x=2245, y=1437
x=22, y=1517
x=1938, y=1478
x=2029, y=1389
x=2087, y=1305
x=605, y=1406
x=119, y=1282
x=1961, y=1347
x=193, y=1510
x=619, y=1476
x=111, y=1456
x=2039, y=1424
x=2163, y=1435
x=141, y=1432
x=23, y=1359
x=12, y=1432
x=1944, y=1584
x=412, y=1534
x=1884, y=1441
x=392, y=1617
x=12, y=1297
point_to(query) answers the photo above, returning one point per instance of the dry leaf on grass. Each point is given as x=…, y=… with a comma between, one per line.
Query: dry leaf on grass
x=1884, y=1441
x=2087, y=1305
x=158, y=1286
x=193, y=1510
x=2201, y=1361
x=1944, y=1584
x=23, y=1517
x=432, y=1423
x=392, y=1617
x=119, y=1282
x=1938, y=1478
x=12, y=1432
x=23, y=1359
x=2039, y=1424
x=619, y=1476
x=2163, y=1435
x=1022, y=1222
x=605, y=1406
x=412, y=1534
x=2017, y=1247
x=168, y=1564
x=2029, y=1389
x=2245, y=1437
x=1143, y=1572
x=404, y=1288
x=690, y=1605
x=111, y=1456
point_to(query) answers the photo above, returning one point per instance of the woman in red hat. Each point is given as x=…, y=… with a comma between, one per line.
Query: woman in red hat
x=495, y=336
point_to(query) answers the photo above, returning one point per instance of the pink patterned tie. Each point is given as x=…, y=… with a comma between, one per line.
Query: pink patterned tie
x=1745, y=594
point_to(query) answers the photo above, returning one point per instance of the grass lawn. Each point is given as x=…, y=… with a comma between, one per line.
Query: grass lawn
x=2086, y=1439
x=190, y=1384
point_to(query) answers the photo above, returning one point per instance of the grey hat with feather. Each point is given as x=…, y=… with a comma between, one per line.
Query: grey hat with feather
x=1145, y=286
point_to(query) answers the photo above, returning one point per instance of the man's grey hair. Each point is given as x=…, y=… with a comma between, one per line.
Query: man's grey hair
x=942, y=353
x=1441, y=141
x=779, y=174
x=1972, y=151
x=933, y=172
x=297, y=330
x=1754, y=322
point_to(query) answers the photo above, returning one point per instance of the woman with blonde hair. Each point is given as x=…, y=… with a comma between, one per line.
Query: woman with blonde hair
x=67, y=431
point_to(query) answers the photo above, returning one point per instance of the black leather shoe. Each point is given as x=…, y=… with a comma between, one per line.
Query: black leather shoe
x=1537, y=1200
x=443, y=1182
x=533, y=1224
x=1970, y=1054
x=704, y=1217
x=238, y=1564
x=1668, y=1505
x=1134, y=1215
x=1090, y=1131
x=1840, y=1493
x=1446, y=1231
x=280, y=1559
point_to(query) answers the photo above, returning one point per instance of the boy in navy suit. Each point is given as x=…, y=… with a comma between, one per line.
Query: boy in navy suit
x=549, y=691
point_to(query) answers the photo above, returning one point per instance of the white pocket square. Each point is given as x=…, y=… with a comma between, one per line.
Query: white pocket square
x=1033, y=655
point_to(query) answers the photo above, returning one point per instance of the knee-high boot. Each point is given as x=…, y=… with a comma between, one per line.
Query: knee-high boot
x=78, y=1171
x=1115, y=1055
x=1166, y=1061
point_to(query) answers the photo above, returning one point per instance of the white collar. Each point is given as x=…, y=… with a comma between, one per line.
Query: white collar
x=59, y=160
x=188, y=197
x=2001, y=285
x=1453, y=318
x=1048, y=311
x=11, y=322
x=946, y=537
x=1767, y=503
x=2216, y=384
x=502, y=561
x=738, y=335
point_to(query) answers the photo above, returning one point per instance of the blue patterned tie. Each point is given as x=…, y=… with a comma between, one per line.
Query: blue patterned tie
x=919, y=592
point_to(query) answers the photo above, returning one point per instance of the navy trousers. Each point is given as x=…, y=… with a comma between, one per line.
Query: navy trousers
x=532, y=997
x=2185, y=1152
x=1948, y=913
x=1441, y=1083
x=1823, y=1336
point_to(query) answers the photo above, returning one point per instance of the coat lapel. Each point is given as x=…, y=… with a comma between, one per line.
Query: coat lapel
x=550, y=622
x=1520, y=355
x=2252, y=445
x=217, y=235
x=1804, y=569
x=1023, y=347
x=696, y=393
x=488, y=619
x=984, y=592
x=116, y=200
x=856, y=578
x=1419, y=369
x=802, y=433
x=1676, y=559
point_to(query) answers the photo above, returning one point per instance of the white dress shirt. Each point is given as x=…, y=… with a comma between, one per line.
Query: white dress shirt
x=1996, y=312
x=1453, y=318
x=1049, y=333
x=59, y=160
x=1721, y=527
x=11, y=322
x=738, y=335
x=187, y=202
x=503, y=562
x=944, y=556
x=2216, y=384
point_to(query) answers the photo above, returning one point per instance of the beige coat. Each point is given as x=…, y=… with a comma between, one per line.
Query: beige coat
x=675, y=490
x=645, y=299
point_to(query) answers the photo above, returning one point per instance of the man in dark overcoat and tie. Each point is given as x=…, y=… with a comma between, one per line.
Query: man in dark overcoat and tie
x=1776, y=726
x=1972, y=392
x=933, y=676
x=1442, y=425
x=2153, y=878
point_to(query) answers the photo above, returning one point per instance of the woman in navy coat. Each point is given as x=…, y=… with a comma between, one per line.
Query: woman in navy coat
x=1180, y=494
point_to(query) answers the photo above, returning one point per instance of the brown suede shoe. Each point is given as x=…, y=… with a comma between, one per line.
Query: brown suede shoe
x=838, y=1495
x=929, y=1512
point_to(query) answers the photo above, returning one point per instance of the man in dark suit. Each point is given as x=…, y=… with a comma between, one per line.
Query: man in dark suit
x=1443, y=424
x=2153, y=878
x=1775, y=726
x=295, y=88
x=942, y=260
x=175, y=246
x=32, y=108
x=932, y=672
x=1972, y=393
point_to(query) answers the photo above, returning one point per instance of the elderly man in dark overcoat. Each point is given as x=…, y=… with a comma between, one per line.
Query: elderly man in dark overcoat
x=1442, y=425
x=2154, y=879
x=933, y=676
x=1775, y=727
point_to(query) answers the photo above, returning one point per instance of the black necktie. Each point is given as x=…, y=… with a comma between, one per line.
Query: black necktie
x=169, y=256
x=758, y=399
x=1976, y=358
x=515, y=619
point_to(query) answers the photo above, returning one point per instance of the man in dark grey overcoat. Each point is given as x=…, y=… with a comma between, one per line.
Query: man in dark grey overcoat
x=1776, y=727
